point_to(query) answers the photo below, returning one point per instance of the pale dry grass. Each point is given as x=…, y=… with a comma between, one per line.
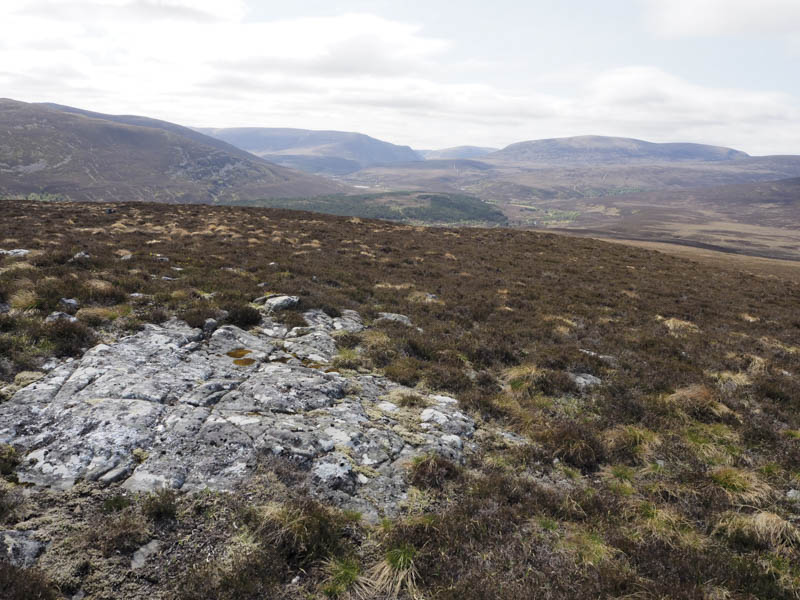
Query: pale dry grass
x=23, y=300
x=392, y=577
x=99, y=285
x=699, y=400
x=765, y=529
x=17, y=267
x=678, y=327
x=394, y=286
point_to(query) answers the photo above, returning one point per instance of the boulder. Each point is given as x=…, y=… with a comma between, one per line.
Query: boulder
x=275, y=303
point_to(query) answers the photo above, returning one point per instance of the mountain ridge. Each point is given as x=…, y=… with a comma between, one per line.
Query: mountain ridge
x=314, y=151
x=52, y=151
x=606, y=149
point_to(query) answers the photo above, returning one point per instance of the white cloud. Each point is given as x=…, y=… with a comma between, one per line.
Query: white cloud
x=140, y=10
x=353, y=72
x=724, y=17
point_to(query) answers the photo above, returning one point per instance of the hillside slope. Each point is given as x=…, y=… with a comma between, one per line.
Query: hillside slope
x=758, y=219
x=426, y=208
x=457, y=152
x=60, y=152
x=374, y=405
x=332, y=152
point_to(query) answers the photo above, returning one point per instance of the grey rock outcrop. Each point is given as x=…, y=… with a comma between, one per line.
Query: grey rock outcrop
x=170, y=407
x=19, y=548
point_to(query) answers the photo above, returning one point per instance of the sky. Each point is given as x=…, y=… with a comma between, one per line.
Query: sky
x=429, y=74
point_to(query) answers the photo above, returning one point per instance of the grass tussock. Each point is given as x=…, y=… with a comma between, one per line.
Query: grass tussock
x=761, y=531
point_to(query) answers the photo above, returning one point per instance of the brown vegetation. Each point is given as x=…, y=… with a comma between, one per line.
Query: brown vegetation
x=667, y=479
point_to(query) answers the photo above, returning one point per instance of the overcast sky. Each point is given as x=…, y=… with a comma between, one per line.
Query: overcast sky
x=430, y=73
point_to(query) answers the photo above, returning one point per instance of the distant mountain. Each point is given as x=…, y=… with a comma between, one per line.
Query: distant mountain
x=457, y=152
x=330, y=152
x=596, y=150
x=53, y=151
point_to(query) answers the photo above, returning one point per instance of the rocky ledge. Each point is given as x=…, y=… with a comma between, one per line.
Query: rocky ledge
x=173, y=407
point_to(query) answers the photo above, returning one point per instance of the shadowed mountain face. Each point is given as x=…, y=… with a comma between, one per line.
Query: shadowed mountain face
x=603, y=150
x=51, y=151
x=331, y=152
x=457, y=152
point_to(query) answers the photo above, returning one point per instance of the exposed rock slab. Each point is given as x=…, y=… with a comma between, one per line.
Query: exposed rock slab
x=168, y=407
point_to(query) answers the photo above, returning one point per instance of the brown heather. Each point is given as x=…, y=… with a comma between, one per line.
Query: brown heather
x=669, y=479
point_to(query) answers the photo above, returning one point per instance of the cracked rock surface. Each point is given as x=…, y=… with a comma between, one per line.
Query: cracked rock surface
x=168, y=407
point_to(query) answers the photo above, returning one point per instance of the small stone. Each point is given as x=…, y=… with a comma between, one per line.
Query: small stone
x=793, y=495
x=394, y=317
x=584, y=380
x=70, y=303
x=281, y=302
x=387, y=407
x=443, y=400
x=143, y=553
x=126, y=257
x=609, y=360
x=210, y=326
x=59, y=316
x=81, y=256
